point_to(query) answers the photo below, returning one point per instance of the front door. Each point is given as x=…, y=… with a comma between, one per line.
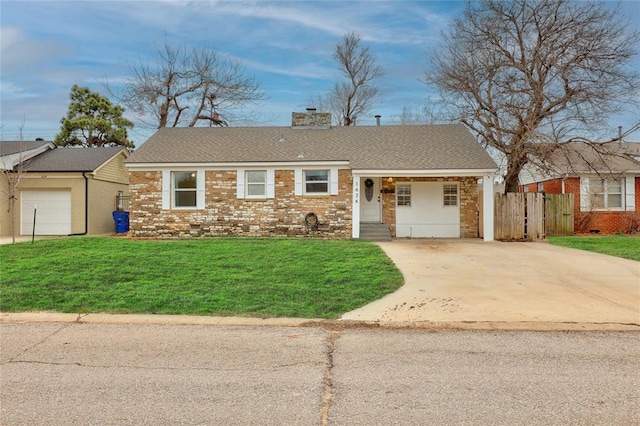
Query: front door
x=370, y=200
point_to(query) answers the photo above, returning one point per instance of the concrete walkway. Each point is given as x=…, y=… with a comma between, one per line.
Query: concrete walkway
x=476, y=281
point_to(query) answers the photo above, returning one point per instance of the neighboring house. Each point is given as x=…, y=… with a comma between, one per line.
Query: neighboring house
x=605, y=179
x=71, y=190
x=413, y=181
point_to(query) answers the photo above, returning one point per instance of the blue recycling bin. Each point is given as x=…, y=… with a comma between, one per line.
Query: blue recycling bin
x=121, y=218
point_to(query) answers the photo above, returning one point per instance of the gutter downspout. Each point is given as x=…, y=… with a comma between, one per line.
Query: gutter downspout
x=86, y=206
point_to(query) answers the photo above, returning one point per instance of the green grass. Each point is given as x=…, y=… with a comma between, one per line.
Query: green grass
x=246, y=277
x=624, y=246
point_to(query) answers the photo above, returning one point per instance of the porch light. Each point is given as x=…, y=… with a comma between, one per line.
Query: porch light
x=390, y=179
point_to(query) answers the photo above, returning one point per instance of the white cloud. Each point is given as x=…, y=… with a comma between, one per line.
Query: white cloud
x=10, y=90
x=21, y=52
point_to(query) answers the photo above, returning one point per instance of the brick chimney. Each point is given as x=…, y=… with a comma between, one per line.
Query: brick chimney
x=311, y=119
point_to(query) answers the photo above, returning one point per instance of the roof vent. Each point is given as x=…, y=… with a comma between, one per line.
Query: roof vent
x=310, y=109
x=377, y=116
x=39, y=139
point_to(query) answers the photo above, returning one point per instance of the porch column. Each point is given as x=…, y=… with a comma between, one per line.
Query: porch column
x=355, y=208
x=487, y=206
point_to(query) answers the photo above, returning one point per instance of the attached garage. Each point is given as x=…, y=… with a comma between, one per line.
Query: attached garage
x=52, y=212
x=428, y=209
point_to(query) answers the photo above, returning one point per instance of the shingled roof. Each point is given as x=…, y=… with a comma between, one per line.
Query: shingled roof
x=420, y=147
x=608, y=157
x=14, y=147
x=73, y=159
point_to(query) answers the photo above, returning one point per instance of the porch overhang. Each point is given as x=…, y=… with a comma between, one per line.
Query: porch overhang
x=487, y=176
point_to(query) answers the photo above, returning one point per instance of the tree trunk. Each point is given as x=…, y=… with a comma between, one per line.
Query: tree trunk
x=164, y=114
x=12, y=207
x=515, y=164
x=511, y=183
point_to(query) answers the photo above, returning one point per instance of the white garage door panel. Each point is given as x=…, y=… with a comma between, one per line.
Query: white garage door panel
x=53, y=214
x=427, y=217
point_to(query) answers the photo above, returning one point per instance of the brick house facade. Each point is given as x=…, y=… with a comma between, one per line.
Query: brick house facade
x=263, y=182
x=605, y=181
x=588, y=220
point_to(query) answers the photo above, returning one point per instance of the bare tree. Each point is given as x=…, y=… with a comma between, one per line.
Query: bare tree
x=430, y=112
x=188, y=86
x=528, y=76
x=355, y=96
x=12, y=174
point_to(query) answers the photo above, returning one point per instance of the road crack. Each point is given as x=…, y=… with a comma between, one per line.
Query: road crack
x=47, y=337
x=328, y=377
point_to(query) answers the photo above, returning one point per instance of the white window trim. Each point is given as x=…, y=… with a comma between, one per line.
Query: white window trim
x=457, y=186
x=305, y=182
x=168, y=202
x=585, y=195
x=410, y=194
x=630, y=193
x=300, y=183
x=242, y=188
x=249, y=184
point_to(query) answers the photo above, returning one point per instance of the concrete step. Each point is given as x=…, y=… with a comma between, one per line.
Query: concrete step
x=374, y=232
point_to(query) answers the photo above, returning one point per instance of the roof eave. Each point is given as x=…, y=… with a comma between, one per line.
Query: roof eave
x=234, y=165
x=10, y=161
x=423, y=172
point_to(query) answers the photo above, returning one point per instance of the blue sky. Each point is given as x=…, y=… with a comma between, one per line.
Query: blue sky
x=47, y=46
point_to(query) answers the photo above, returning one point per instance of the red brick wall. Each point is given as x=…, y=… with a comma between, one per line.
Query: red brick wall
x=600, y=221
x=592, y=221
x=553, y=186
x=603, y=221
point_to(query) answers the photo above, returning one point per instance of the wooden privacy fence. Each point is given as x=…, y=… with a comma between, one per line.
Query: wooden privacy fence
x=532, y=216
x=558, y=211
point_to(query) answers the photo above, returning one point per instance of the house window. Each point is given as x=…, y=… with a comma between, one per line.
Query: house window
x=316, y=181
x=403, y=194
x=450, y=194
x=184, y=189
x=605, y=193
x=256, y=184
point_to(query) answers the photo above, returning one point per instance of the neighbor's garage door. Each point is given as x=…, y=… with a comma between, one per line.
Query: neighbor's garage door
x=53, y=212
x=427, y=216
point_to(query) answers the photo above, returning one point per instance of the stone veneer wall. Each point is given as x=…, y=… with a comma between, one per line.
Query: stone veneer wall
x=468, y=202
x=226, y=215
x=310, y=119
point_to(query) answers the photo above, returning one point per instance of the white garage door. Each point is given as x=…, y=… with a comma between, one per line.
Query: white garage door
x=424, y=213
x=52, y=211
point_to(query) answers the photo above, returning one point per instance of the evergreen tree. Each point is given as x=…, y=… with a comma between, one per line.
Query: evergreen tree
x=93, y=121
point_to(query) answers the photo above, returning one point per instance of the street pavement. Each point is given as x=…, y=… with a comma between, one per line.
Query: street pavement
x=331, y=373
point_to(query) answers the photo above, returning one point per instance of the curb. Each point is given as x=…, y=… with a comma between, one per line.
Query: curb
x=134, y=319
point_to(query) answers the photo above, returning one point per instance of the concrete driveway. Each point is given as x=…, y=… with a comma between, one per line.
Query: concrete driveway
x=466, y=280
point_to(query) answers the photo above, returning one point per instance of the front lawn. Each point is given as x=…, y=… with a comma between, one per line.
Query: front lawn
x=247, y=277
x=624, y=246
